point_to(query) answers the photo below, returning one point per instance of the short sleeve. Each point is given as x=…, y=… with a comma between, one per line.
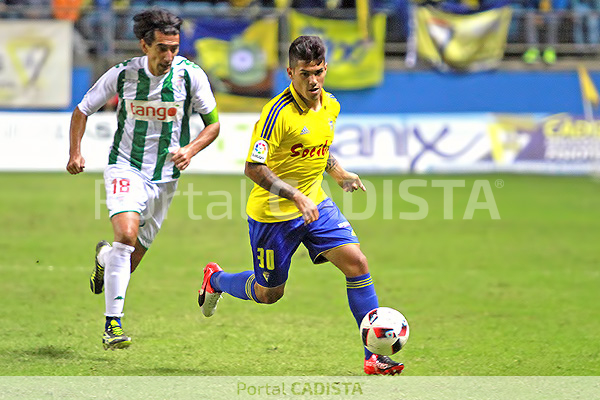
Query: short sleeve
x=203, y=99
x=335, y=108
x=266, y=136
x=104, y=89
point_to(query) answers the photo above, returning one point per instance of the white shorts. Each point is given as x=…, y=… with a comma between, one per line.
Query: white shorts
x=127, y=190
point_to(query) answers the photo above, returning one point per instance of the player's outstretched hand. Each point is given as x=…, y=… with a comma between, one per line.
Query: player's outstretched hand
x=308, y=208
x=76, y=164
x=182, y=157
x=352, y=182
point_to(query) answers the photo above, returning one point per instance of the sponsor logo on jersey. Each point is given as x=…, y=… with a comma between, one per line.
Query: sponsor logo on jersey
x=156, y=110
x=259, y=152
x=298, y=150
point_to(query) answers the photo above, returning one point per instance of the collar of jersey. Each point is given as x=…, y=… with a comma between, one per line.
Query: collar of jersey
x=150, y=74
x=301, y=105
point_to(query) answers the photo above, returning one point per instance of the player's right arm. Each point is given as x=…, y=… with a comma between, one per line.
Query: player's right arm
x=96, y=97
x=266, y=138
x=76, y=162
x=264, y=177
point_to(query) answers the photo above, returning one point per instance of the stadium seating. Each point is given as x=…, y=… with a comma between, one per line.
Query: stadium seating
x=578, y=37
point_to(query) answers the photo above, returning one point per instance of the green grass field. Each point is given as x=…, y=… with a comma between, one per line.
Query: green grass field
x=514, y=296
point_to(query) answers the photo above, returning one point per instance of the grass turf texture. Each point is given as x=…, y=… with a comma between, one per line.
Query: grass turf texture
x=515, y=296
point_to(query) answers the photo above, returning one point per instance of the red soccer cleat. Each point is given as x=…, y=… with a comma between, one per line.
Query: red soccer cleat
x=382, y=365
x=207, y=296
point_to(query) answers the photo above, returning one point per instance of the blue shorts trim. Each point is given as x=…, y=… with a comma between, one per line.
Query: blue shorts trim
x=274, y=243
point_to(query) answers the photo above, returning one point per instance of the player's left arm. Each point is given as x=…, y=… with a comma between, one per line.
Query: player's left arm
x=349, y=181
x=183, y=156
x=203, y=101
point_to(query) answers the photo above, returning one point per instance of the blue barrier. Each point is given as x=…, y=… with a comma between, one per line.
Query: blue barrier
x=431, y=92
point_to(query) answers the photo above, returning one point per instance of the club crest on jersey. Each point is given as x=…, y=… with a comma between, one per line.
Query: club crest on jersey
x=156, y=110
x=259, y=152
x=180, y=85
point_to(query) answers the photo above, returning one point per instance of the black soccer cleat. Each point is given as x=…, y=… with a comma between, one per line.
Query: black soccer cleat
x=97, y=277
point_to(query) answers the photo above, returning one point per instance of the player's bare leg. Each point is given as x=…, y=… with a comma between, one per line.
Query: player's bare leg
x=349, y=259
x=137, y=255
x=268, y=295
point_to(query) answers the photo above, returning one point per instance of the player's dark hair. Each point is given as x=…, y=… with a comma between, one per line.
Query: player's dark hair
x=307, y=49
x=147, y=22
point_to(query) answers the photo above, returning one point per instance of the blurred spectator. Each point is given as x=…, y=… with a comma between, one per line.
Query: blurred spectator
x=240, y=3
x=33, y=9
x=122, y=21
x=322, y=4
x=398, y=14
x=585, y=16
x=66, y=9
x=434, y=3
x=300, y=4
x=124, y=13
x=542, y=14
x=471, y=6
x=200, y=5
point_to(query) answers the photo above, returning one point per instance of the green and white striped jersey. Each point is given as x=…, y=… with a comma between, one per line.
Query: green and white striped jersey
x=153, y=112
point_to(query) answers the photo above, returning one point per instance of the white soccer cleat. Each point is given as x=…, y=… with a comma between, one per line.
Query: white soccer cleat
x=207, y=296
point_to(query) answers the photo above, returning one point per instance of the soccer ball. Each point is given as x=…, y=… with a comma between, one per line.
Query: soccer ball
x=384, y=331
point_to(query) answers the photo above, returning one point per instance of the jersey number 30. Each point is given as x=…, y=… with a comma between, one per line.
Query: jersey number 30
x=266, y=258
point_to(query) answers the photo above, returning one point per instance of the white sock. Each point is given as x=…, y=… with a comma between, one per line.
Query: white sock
x=116, y=278
x=104, y=255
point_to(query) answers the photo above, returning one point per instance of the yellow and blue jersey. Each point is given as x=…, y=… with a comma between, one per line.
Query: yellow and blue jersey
x=293, y=141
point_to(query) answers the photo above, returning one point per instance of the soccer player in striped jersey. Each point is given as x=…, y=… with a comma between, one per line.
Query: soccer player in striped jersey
x=157, y=94
x=288, y=154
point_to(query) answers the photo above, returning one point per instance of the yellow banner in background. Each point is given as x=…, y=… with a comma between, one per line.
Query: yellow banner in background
x=353, y=61
x=588, y=89
x=246, y=57
x=462, y=42
x=241, y=66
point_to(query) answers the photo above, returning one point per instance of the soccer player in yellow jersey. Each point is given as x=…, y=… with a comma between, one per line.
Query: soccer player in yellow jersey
x=288, y=154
